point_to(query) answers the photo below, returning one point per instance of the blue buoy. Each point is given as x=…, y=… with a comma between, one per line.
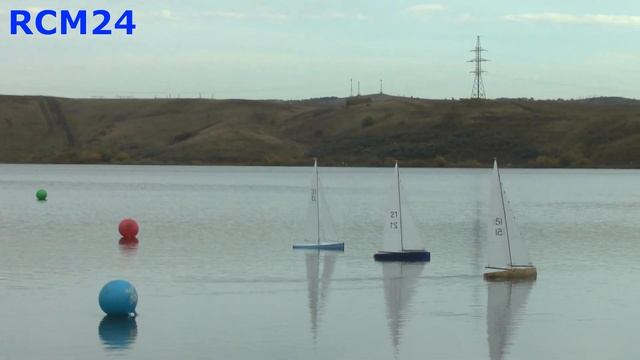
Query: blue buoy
x=118, y=298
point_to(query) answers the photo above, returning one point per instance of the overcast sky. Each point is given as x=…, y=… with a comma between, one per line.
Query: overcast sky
x=300, y=49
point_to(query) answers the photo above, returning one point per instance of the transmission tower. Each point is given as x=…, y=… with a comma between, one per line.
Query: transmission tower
x=478, y=86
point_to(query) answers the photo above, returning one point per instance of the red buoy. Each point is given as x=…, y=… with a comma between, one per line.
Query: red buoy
x=128, y=228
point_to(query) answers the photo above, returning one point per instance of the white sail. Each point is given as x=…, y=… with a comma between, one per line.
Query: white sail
x=400, y=232
x=519, y=252
x=499, y=256
x=319, y=227
x=392, y=234
x=313, y=210
x=504, y=302
x=506, y=246
x=411, y=239
x=400, y=281
x=327, y=227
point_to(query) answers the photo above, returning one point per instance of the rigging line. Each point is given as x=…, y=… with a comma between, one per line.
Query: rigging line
x=399, y=206
x=315, y=165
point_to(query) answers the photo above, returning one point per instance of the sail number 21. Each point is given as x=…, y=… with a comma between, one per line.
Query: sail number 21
x=393, y=215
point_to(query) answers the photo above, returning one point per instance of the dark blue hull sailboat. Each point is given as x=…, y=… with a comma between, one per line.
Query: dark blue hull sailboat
x=401, y=239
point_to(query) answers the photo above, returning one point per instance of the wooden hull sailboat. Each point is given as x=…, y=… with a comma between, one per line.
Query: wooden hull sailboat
x=508, y=255
x=320, y=234
x=401, y=240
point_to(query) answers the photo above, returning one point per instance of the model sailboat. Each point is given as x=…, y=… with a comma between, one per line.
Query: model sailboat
x=401, y=240
x=508, y=256
x=320, y=232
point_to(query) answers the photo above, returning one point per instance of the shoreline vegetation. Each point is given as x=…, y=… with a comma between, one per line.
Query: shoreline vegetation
x=369, y=130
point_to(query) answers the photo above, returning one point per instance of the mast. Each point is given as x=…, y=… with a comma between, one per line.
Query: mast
x=399, y=205
x=504, y=212
x=315, y=165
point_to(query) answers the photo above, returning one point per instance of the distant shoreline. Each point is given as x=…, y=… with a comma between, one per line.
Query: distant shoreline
x=364, y=131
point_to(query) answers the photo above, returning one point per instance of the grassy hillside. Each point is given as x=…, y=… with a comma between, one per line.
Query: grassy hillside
x=371, y=130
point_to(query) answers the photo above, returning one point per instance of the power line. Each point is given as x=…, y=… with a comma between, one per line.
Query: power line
x=477, y=92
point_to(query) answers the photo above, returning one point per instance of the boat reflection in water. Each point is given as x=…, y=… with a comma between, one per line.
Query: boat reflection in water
x=318, y=281
x=118, y=332
x=400, y=282
x=506, y=300
x=128, y=246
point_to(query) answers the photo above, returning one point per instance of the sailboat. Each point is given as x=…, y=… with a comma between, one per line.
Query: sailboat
x=508, y=255
x=505, y=301
x=320, y=232
x=401, y=241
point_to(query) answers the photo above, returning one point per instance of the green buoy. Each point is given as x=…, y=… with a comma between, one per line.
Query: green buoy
x=41, y=195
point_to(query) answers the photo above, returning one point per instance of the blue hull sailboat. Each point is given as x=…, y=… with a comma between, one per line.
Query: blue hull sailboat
x=320, y=234
x=401, y=240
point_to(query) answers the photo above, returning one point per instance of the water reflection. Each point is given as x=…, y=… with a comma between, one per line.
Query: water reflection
x=117, y=333
x=505, y=301
x=478, y=235
x=400, y=281
x=318, y=283
x=128, y=246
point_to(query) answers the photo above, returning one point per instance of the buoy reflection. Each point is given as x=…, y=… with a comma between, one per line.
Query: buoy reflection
x=128, y=245
x=118, y=332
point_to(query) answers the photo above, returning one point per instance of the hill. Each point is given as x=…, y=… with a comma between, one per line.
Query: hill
x=367, y=130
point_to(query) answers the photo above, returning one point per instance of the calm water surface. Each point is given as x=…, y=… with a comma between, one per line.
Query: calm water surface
x=217, y=277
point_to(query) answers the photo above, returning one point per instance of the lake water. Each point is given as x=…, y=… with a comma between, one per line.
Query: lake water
x=217, y=277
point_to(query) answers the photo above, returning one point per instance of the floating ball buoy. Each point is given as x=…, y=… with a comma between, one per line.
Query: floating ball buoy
x=128, y=228
x=41, y=195
x=118, y=298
